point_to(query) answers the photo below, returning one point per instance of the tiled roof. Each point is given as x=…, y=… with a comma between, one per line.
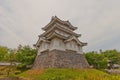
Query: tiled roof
x=6, y=63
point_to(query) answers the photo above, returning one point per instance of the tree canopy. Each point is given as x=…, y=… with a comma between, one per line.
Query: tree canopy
x=100, y=59
x=3, y=53
x=25, y=55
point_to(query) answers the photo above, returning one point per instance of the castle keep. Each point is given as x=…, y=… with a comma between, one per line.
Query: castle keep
x=59, y=47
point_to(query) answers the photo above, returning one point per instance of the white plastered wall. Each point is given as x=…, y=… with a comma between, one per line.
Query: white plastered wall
x=44, y=46
x=72, y=45
x=57, y=44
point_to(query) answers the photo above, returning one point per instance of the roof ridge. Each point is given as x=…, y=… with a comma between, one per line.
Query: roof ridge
x=54, y=18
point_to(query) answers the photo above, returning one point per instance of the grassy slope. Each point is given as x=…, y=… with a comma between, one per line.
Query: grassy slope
x=67, y=74
x=2, y=71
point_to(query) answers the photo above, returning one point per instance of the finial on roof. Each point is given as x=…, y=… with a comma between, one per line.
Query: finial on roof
x=56, y=17
x=53, y=17
x=67, y=20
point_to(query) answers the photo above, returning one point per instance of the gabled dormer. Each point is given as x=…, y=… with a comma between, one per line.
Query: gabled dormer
x=73, y=38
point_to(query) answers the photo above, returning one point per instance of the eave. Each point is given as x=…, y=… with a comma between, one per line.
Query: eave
x=54, y=34
x=60, y=28
x=41, y=40
x=84, y=44
x=56, y=19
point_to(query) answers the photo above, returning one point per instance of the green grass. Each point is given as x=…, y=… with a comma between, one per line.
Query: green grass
x=67, y=74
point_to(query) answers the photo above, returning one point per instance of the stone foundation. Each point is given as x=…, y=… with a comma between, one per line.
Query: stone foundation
x=60, y=59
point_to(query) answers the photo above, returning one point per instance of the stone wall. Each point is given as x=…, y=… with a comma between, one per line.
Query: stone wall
x=60, y=59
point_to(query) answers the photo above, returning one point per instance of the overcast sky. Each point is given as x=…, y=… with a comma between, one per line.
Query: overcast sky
x=97, y=20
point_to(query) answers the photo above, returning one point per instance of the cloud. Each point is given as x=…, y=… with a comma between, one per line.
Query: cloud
x=97, y=21
x=8, y=36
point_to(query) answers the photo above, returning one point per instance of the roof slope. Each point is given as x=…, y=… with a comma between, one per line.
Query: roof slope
x=56, y=19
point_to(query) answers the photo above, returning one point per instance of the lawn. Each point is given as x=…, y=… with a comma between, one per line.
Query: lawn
x=67, y=74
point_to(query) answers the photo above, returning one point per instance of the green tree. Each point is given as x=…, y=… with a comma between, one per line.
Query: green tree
x=3, y=53
x=12, y=60
x=96, y=60
x=112, y=55
x=25, y=55
x=100, y=60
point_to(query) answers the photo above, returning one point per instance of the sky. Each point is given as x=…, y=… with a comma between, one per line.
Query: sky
x=97, y=20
